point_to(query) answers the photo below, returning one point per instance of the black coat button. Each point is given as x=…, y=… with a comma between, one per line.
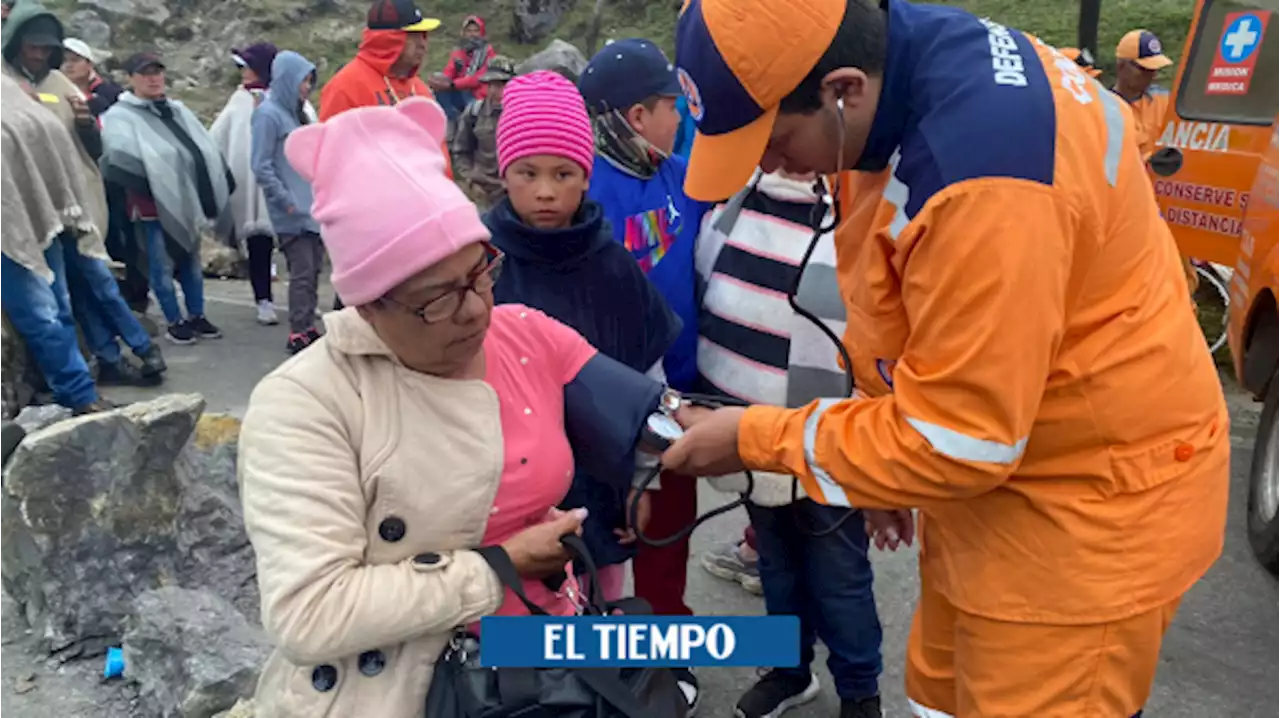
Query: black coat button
x=427, y=559
x=391, y=529
x=372, y=662
x=324, y=678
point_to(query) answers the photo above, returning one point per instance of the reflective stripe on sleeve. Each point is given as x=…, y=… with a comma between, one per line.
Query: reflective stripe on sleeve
x=1113, y=114
x=955, y=445
x=832, y=493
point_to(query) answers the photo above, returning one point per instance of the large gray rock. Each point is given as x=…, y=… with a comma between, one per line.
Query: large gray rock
x=214, y=550
x=19, y=377
x=89, y=510
x=534, y=20
x=559, y=56
x=90, y=27
x=35, y=418
x=153, y=12
x=192, y=653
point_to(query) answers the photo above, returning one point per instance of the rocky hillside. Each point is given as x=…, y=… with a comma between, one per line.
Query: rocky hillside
x=194, y=35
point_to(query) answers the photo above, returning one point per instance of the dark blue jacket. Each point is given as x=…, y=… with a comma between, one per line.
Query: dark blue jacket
x=658, y=224
x=584, y=279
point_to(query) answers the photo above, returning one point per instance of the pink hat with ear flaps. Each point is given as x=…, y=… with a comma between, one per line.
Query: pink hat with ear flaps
x=386, y=208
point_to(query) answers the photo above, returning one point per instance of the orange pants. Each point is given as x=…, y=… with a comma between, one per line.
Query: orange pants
x=964, y=666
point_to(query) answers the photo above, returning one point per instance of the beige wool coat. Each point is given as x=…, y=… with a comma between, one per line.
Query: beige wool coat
x=364, y=483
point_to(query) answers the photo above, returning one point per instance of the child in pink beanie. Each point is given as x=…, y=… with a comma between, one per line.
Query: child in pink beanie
x=561, y=258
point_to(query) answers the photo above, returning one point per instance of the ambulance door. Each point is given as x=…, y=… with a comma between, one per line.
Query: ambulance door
x=1219, y=126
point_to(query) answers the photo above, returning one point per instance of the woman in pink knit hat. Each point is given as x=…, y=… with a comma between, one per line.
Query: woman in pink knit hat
x=563, y=260
x=427, y=437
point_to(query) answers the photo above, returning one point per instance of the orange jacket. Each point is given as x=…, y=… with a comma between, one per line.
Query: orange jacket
x=365, y=80
x=1148, y=113
x=1031, y=378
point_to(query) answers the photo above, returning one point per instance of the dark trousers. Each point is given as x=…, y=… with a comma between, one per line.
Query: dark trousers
x=122, y=245
x=661, y=574
x=305, y=255
x=826, y=582
x=259, y=247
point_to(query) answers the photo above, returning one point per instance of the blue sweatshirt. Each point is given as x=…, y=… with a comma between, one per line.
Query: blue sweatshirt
x=273, y=120
x=658, y=224
x=581, y=277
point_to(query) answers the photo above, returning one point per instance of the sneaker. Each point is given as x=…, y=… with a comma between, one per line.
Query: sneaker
x=688, y=684
x=865, y=708
x=298, y=342
x=267, y=313
x=181, y=333
x=203, y=328
x=313, y=334
x=152, y=361
x=122, y=373
x=776, y=693
x=727, y=563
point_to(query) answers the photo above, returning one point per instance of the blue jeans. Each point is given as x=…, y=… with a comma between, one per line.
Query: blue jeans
x=826, y=582
x=454, y=102
x=99, y=308
x=41, y=312
x=160, y=265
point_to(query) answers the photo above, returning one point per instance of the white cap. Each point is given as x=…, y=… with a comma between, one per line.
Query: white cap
x=79, y=47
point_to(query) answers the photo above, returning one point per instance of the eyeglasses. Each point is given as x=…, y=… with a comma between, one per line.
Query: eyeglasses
x=446, y=305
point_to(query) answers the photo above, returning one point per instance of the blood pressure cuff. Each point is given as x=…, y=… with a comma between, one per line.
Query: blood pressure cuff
x=605, y=407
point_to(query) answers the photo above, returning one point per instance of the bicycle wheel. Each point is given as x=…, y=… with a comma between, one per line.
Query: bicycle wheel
x=1212, y=301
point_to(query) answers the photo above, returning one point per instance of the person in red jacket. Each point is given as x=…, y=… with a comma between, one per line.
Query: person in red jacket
x=460, y=83
x=385, y=68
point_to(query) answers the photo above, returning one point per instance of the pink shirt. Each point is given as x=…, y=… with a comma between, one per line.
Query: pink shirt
x=530, y=358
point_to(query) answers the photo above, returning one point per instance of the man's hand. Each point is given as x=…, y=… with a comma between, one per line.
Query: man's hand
x=81, y=110
x=709, y=446
x=628, y=535
x=437, y=81
x=537, y=551
x=890, y=529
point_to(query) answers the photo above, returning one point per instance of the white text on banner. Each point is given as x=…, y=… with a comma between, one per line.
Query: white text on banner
x=594, y=641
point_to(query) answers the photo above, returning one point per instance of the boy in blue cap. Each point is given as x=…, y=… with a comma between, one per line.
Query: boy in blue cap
x=631, y=90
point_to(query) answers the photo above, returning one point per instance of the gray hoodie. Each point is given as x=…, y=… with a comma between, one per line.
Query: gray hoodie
x=273, y=120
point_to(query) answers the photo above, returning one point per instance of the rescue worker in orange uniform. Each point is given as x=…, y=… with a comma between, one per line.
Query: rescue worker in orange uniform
x=1029, y=377
x=1139, y=56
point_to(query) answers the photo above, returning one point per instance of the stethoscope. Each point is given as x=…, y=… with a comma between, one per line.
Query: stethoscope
x=661, y=429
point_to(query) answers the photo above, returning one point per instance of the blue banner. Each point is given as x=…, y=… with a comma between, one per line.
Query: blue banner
x=594, y=641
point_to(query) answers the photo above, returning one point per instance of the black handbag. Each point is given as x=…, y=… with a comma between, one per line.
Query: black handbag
x=462, y=688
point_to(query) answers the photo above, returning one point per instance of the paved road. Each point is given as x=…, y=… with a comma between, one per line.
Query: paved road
x=1220, y=657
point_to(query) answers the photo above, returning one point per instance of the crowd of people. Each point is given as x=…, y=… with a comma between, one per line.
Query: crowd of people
x=507, y=248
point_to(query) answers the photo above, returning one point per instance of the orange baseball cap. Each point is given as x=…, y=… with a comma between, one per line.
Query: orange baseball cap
x=736, y=60
x=1142, y=47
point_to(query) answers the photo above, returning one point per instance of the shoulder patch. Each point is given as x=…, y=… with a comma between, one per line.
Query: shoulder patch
x=983, y=107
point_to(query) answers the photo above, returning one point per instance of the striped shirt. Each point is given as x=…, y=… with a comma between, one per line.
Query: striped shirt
x=752, y=345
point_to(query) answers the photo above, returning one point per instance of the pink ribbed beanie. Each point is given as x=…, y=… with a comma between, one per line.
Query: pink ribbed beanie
x=544, y=114
x=385, y=206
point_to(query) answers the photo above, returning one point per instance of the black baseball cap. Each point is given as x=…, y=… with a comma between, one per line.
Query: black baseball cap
x=399, y=15
x=141, y=61
x=625, y=73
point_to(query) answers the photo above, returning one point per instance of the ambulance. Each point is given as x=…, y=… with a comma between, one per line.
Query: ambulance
x=1215, y=177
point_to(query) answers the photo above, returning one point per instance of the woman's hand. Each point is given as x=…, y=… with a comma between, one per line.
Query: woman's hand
x=537, y=551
